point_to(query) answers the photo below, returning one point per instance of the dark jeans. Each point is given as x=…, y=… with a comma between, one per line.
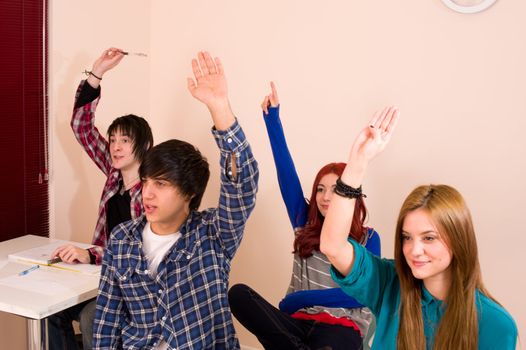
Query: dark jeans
x=277, y=330
x=61, y=334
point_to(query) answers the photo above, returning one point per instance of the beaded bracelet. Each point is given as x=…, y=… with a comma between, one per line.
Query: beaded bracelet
x=87, y=72
x=347, y=191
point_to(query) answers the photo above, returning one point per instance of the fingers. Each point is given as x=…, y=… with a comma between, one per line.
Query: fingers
x=57, y=251
x=264, y=105
x=387, y=118
x=383, y=123
x=274, y=99
x=196, y=69
x=112, y=54
x=270, y=100
x=68, y=253
x=210, y=65
x=202, y=63
x=114, y=51
x=190, y=84
x=393, y=121
x=65, y=253
x=219, y=65
x=205, y=65
x=377, y=118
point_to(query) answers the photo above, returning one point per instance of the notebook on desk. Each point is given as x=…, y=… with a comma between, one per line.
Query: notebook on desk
x=42, y=256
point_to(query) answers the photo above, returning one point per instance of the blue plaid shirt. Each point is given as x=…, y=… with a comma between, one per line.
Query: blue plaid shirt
x=186, y=304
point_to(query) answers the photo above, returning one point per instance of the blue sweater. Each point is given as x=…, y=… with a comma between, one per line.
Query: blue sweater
x=297, y=209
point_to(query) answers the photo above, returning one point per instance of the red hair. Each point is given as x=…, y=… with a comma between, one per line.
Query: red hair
x=308, y=238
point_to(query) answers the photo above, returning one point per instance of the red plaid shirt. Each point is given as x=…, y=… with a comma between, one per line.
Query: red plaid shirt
x=97, y=147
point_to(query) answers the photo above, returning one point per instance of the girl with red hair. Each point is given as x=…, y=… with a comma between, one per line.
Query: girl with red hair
x=315, y=313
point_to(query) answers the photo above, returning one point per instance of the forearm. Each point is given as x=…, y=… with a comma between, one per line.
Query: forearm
x=86, y=94
x=332, y=297
x=238, y=185
x=338, y=221
x=83, y=126
x=289, y=183
x=368, y=144
x=222, y=114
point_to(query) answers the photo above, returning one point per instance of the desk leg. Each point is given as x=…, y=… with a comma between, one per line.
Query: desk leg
x=37, y=334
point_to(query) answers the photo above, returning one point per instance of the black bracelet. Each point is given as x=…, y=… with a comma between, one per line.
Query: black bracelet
x=87, y=72
x=92, y=258
x=347, y=191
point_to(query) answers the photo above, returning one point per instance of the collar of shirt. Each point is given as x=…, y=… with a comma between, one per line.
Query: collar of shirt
x=184, y=248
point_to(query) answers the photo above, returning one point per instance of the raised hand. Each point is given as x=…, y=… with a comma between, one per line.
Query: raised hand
x=210, y=88
x=372, y=140
x=271, y=100
x=109, y=59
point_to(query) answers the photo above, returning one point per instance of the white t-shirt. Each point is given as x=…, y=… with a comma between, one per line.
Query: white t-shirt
x=154, y=248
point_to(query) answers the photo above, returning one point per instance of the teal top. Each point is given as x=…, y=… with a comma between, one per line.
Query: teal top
x=374, y=283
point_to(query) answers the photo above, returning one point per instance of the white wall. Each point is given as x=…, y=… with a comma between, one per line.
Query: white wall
x=457, y=79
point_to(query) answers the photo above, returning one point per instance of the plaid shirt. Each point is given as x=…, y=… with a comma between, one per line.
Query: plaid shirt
x=186, y=304
x=97, y=147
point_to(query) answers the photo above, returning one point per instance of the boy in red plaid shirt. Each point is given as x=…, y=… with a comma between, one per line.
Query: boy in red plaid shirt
x=119, y=159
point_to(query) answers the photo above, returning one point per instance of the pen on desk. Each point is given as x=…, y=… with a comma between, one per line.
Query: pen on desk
x=25, y=272
x=134, y=54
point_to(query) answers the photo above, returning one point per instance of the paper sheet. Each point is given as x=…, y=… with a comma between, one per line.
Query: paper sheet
x=41, y=281
x=40, y=255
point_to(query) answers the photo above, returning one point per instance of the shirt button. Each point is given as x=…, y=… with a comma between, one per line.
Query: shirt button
x=123, y=278
x=164, y=318
x=188, y=257
x=229, y=172
x=155, y=344
x=229, y=140
x=160, y=291
x=146, y=271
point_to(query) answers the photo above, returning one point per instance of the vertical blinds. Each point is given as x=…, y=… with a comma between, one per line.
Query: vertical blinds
x=24, y=124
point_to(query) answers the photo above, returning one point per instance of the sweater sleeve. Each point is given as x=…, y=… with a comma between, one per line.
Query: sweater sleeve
x=289, y=182
x=83, y=126
x=373, y=242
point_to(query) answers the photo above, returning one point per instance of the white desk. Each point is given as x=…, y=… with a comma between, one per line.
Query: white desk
x=35, y=306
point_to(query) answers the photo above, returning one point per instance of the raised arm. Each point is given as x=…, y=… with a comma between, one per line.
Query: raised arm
x=86, y=100
x=239, y=169
x=370, y=142
x=289, y=182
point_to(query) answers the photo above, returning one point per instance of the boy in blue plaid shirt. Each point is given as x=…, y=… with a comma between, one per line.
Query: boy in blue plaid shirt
x=164, y=277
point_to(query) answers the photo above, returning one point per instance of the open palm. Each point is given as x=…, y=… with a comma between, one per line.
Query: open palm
x=209, y=85
x=372, y=139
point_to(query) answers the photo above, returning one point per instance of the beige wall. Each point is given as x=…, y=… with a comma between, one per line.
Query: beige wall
x=457, y=79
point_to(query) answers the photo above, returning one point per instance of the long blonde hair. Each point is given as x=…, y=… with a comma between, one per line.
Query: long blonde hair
x=458, y=328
